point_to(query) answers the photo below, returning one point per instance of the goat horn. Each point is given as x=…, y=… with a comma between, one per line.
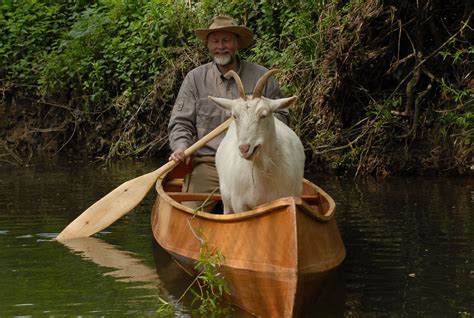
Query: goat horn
x=237, y=79
x=262, y=81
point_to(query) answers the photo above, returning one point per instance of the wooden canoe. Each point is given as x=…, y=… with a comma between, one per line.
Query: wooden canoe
x=280, y=241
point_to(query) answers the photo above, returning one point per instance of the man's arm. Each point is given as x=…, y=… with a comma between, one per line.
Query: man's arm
x=182, y=124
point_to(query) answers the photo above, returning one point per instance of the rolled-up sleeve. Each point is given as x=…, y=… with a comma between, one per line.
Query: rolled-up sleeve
x=182, y=124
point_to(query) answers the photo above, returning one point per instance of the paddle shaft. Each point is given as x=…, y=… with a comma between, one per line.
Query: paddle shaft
x=126, y=196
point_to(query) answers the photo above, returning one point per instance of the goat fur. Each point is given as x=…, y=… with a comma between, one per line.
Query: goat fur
x=260, y=159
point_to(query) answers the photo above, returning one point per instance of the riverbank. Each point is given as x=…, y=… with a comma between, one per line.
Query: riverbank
x=381, y=91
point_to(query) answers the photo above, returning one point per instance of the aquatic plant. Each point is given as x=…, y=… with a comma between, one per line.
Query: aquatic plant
x=211, y=284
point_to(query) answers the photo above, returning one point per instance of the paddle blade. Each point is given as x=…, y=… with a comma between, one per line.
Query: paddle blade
x=113, y=206
x=126, y=196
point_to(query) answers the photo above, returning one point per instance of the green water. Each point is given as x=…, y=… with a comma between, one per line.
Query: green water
x=41, y=277
x=410, y=248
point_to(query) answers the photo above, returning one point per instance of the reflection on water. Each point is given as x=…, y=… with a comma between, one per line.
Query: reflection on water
x=409, y=247
x=127, y=266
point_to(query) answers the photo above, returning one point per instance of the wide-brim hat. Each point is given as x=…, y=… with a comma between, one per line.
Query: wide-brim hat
x=227, y=24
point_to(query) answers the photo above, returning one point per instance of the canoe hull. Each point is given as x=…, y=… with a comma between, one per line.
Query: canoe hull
x=273, y=245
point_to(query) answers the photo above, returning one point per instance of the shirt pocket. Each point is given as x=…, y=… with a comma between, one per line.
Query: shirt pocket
x=208, y=115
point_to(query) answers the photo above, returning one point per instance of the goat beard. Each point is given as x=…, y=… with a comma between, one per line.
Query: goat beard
x=263, y=168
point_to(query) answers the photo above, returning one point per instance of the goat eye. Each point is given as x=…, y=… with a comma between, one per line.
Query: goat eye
x=234, y=116
x=263, y=114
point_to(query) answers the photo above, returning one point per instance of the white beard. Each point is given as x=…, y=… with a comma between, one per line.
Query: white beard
x=222, y=59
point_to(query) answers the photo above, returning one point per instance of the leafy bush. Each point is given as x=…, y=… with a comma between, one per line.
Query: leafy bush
x=29, y=31
x=114, y=48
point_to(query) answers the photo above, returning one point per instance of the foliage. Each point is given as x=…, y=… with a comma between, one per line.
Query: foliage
x=112, y=49
x=387, y=84
x=29, y=30
x=209, y=280
x=165, y=308
x=374, y=78
x=211, y=283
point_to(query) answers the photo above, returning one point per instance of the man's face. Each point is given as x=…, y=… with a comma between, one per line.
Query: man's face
x=222, y=46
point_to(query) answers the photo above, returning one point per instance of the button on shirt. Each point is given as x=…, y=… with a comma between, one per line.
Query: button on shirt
x=194, y=115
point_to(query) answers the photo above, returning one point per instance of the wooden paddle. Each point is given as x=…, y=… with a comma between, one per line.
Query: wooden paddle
x=126, y=196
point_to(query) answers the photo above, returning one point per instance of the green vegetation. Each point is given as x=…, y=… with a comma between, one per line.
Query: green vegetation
x=384, y=87
x=210, y=282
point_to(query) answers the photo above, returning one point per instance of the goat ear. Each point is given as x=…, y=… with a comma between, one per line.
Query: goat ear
x=277, y=104
x=223, y=102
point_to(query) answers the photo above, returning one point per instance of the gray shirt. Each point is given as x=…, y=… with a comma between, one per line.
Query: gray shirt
x=194, y=115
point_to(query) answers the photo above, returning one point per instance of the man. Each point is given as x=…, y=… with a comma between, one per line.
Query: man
x=194, y=115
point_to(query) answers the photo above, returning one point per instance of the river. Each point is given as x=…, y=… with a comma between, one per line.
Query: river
x=409, y=241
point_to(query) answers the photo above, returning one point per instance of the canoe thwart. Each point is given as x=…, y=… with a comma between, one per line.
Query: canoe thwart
x=188, y=196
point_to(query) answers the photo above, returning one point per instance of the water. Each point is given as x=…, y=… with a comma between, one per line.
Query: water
x=410, y=248
x=41, y=277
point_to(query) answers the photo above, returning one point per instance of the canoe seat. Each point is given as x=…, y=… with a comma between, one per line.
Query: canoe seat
x=173, y=185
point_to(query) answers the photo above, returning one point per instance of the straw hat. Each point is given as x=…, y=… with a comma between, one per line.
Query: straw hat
x=228, y=24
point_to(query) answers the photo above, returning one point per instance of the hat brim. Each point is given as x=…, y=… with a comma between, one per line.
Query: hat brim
x=245, y=34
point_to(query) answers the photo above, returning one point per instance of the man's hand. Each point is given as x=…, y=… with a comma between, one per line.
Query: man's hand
x=178, y=155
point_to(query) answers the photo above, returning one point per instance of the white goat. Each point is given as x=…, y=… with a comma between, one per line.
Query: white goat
x=260, y=159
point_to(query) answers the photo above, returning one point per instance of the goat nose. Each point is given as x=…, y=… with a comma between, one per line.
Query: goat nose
x=244, y=148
